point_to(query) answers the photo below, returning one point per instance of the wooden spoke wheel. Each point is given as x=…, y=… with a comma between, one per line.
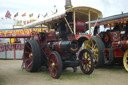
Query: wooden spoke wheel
x=32, y=56
x=55, y=64
x=125, y=60
x=96, y=45
x=87, y=61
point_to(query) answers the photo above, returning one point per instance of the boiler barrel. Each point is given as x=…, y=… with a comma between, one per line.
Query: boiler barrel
x=65, y=46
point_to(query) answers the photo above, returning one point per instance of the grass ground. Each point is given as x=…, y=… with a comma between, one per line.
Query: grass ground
x=11, y=74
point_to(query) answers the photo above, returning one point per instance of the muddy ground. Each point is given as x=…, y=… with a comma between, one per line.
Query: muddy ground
x=11, y=74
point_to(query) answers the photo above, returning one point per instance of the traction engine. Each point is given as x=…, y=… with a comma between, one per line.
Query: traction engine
x=57, y=51
x=110, y=47
x=61, y=48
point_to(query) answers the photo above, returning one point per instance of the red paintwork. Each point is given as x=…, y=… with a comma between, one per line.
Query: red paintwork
x=115, y=36
x=51, y=36
x=79, y=36
x=118, y=52
x=81, y=26
x=71, y=38
x=123, y=43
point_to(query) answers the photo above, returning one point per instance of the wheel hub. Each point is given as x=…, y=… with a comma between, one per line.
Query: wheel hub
x=30, y=55
x=53, y=65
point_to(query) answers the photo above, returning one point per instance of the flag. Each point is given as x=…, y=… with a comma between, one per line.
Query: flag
x=45, y=14
x=31, y=15
x=8, y=15
x=16, y=14
x=23, y=15
x=38, y=15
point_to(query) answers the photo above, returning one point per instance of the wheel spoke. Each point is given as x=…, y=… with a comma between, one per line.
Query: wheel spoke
x=89, y=46
x=27, y=52
x=85, y=67
x=55, y=71
x=28, y=47
x=92, y=44
x=28, y=59
x=85, y=56
x=30, y=64
x=56, y=65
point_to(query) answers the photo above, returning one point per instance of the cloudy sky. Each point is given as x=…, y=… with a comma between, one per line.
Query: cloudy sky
x=107, y=7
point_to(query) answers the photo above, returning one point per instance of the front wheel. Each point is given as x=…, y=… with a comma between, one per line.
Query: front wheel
x=86, y=61
x=55, y=64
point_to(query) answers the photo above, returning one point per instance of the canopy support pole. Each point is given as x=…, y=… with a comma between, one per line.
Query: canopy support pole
x=95, y=24
x=89, y=26
x=68, y=25
x=41, y=27
x=74, y=21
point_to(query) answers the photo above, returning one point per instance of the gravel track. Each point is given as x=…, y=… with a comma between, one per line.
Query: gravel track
x=11, y=74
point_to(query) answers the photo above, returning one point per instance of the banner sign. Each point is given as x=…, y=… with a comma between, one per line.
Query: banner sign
x=5, y=33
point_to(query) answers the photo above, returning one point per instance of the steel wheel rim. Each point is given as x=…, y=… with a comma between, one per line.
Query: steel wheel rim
x=53, y=65
x=86, y=64
x=125, y=60
x=90, y=44
x=28, y=56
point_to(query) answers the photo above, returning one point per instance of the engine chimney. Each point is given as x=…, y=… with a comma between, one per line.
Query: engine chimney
x=68, y=4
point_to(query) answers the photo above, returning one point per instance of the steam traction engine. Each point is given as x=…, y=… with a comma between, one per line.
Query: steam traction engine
x=57, y=50
x=110, y=46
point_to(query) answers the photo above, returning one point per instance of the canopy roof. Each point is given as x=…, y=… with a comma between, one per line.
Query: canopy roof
x=112, y=19
x=80, y=12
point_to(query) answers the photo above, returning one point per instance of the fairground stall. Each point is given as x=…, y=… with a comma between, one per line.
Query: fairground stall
x=12, y=41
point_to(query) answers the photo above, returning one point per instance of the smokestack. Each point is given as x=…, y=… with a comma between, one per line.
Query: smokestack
x=68, y=4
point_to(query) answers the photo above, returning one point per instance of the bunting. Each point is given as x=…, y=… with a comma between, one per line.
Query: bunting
x=8, y=15
x=38, y=16
x=45, y=14
x=16, y=14
x=23, y=15
x=31, y=15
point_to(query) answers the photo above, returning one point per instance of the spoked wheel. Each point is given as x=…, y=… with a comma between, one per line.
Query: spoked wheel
x=32, y=56
x=55, y=65
x=96, y=45
x=87, y=62
x=90, y=44
x=125, y=60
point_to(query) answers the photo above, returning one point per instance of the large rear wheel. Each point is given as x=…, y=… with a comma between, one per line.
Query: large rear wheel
x=87, y=61
x=96, y=45
x=125, y=60
x=55, y=64
x=32, y=56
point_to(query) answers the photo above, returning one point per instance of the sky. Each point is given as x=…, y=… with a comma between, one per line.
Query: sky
x=107, y=7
